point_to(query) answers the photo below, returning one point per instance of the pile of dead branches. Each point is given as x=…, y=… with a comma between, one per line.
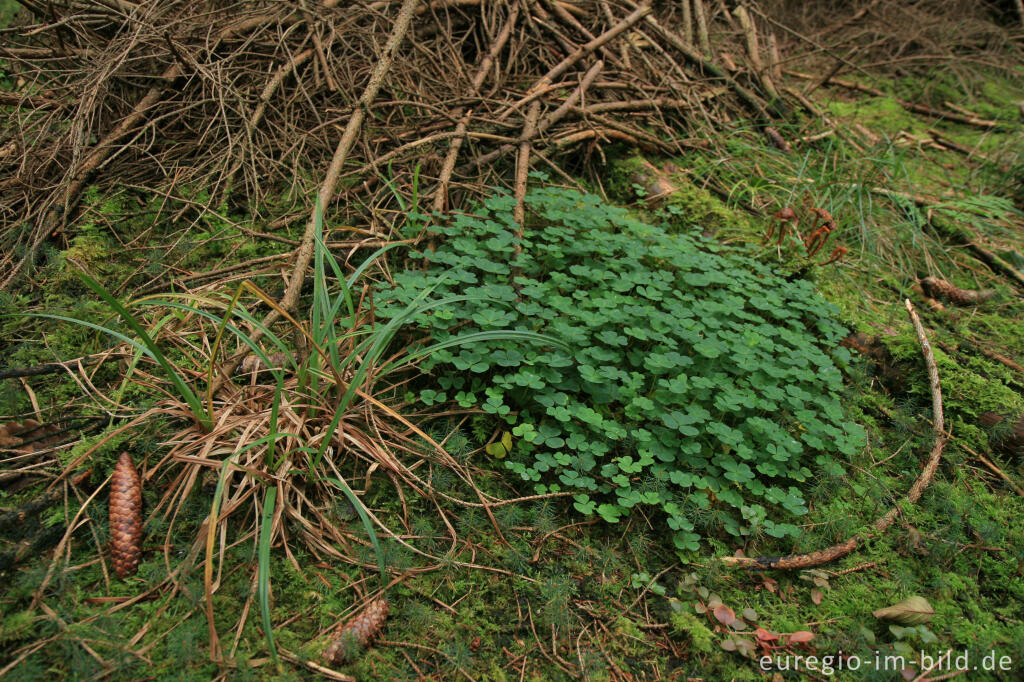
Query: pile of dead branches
x=243, y=101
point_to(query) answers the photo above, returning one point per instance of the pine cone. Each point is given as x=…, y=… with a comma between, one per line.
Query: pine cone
x=361, y=629
x=125, y=517
x=252, y=363
x=940, y=288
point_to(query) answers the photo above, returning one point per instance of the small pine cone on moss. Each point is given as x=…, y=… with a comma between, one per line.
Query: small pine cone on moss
x=125, y=517
x=357, y=632
x=940, y=288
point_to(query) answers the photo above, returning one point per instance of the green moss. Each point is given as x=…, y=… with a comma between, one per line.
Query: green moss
x=685, y=624
x=881, y=115
x=687, y=207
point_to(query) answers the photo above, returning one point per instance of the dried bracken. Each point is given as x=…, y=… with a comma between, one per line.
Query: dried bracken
x=941, y=289
x=125, y=517
x=357, y=632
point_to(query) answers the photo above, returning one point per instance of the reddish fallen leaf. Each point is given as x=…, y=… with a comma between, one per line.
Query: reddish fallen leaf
x=765, y=636
x=816, y=595
x=909, y=674
x=725, y=615
x=800, y=636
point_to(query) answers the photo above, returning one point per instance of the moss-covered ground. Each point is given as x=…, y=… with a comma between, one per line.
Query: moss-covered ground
x=558, y=595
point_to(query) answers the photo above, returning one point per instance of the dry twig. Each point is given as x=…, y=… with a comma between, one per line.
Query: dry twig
x=812, y=559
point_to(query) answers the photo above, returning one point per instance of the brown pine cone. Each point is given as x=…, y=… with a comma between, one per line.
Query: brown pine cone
x=252, y=363
x=125, y=517
x=361, y=629
x=940, y=288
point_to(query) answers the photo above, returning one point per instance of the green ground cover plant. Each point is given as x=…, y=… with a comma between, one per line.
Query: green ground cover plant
x=698, y=381
x=547, y=589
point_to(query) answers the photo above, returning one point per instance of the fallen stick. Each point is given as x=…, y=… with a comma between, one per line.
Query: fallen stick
x=53, y=220
x=591, y=133
x=823, y=556
x=536, y=129
x=538, y=88
x=994, y=469
x=695, y=59
x=496, y=47
x=571, y=101
x=643, y=104
x=687, y=22
x=702, y=27
x=567, y=18
x=754, y=49
x=957, y=233
x=970, y=153
x=940, y=288
x=441, y=194
x=910, y=106
x=257, y=116
x=304, y=254
x=523, y=167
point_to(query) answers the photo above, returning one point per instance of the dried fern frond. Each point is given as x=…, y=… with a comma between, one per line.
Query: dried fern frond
x=357, y=632
x=125, y=517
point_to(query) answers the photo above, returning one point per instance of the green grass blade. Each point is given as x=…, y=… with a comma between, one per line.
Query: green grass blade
x=233, y=329
x=274, y=407
x=263, y=579
x=478, y=337
x=367, y=525
x=183, y=390
x=198, y=412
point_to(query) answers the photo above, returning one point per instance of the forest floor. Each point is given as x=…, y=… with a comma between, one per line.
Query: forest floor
x=537, y=590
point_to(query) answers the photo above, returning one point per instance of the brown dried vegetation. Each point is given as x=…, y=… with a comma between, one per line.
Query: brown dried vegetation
x=234, y=97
